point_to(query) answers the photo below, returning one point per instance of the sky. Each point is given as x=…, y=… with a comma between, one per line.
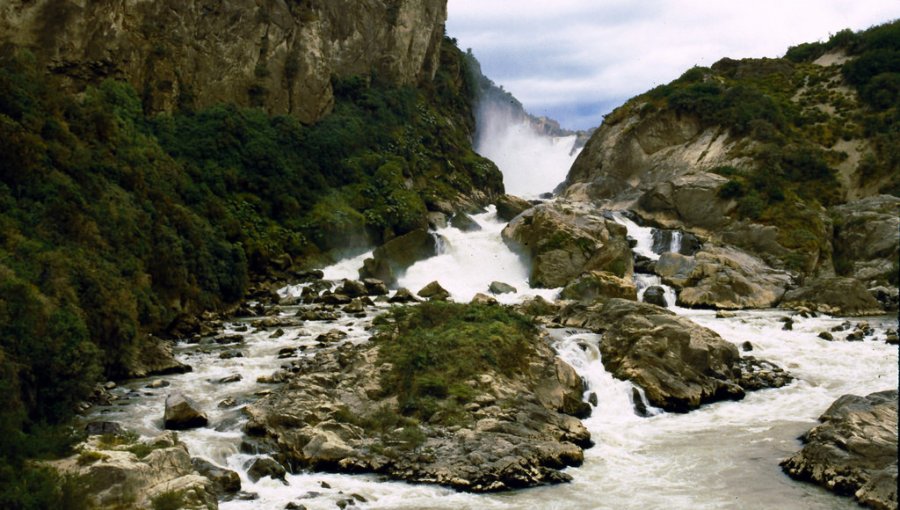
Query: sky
x=576, y=60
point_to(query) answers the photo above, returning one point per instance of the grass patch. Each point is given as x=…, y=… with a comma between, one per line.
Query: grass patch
x=172, y=500
x=437, y=348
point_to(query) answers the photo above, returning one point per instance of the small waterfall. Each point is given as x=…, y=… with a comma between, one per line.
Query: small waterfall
x=643, y=235
x=675, y=245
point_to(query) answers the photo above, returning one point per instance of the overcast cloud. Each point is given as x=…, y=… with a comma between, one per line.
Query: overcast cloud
x=575, y=60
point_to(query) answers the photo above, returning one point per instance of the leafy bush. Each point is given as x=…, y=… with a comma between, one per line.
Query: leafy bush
x=437, y=348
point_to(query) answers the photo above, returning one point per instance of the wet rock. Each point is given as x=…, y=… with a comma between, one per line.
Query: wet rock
x=355, y=306
x=836, y=296
x=231, y=355
x=224, y=480
x=287, y=352
x=757, y=374
x=436, y=220
x=644, y=264
x=655, y=295
x=375, y=287
x=483, y=299
x=724, y=314
x=722, y=278
x=595, y=285
x=265, y=466
x=155, y=357
x=824, y=335
x=333, y=298
x=107, y=477
x=183, y=413
x=562, y=243
x=332, y=336
x=353, y=289
x=854, y=450
x=228, y=339
x=514, y=436
x=747, y=346
x=403, y=296
x=100, y=428
x=233, y=378
x=788, y=324
x=640, y=407
x=509, y=206
x=317, y=315
x=277, y=334
x=228, y=402
x=501, y=288
x=887, y=297
x=538, y=307
x=294, y=506
x=464, y=222
x=398, y=254
x=679, y=365
x=158, y=383
x=433, y=292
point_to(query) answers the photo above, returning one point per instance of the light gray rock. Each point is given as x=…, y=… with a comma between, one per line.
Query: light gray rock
x=837, y=296
x=183, y=413
x=853, y=452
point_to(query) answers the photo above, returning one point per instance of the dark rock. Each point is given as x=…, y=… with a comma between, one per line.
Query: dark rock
x=101, y=428
x=355, y=306
x=483, y=299
x=788, y=324
x=294, y=506
x=888, y=297
x=287, y=352
x=757, y=375
x=396, y=255
x=746, y=346
x=655, y=295
x=690, y=244
x=228, y=339
x=592, y=399
x=509, y=206
x=644, y=264
x=403, y=296
x=317, y=315
x=224, y=480
x=183, y=413
x=332, y=336
x=867, y=239
x=304, y=276
x=324, y=485
x=231, y=355
x=333, y=298
x=375, y=287
x=501, y=288
x=640, y=407
x=233, y=378
x=464, y=222
x=434, y=292
x=854, y=450
x=277, y=334
x=228, y=402
x=353, y=289
x=824, y=335
x=266, y=466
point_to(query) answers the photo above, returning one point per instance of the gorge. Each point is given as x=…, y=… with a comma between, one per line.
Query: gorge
x=225, y=253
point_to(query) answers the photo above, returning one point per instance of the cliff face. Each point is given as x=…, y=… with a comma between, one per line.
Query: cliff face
x=275, y=54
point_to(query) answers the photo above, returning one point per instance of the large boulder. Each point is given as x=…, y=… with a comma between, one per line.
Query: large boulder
x=655, y=295
x=854, y=450
x=867, y=239
x=595, y=285
x=562, y=243
x=116, y=477
x=514, y=431
x=836, y=295
x=464, y=222
x=183, y=413
x=225, y=481
x=691, y=200
x=433, y=292
x=392, y=258
x=723, y=278
x=154, y=356
x=680, y=365
x=509, y=206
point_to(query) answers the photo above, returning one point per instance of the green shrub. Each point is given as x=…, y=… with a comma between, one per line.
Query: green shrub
x=437, y=348
x=171, y=500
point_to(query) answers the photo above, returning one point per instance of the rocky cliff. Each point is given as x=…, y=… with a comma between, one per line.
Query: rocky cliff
x=761, y=154
x=277, y=54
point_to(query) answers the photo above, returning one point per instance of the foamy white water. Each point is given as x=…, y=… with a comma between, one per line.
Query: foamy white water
x=470, y=261
x=531, y=163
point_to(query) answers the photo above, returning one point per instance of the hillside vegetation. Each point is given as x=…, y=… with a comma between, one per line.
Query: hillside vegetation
x=114, y=222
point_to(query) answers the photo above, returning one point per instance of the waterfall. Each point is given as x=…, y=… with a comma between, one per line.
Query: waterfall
x=532, y=163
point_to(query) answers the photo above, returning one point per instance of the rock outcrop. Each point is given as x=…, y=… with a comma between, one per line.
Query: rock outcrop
x=509, y=206
x=392, y=258
x=867, y=239
x=562, y=243
x=679, y=364
x=132, y=475
x=514, y=433
x=837, y=296
x=595, y=285
x=854, y=451
x=274, y=54
x=722, y=277
x=183, y=413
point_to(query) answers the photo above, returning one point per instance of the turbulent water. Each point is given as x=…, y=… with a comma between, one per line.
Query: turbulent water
x=724, y=455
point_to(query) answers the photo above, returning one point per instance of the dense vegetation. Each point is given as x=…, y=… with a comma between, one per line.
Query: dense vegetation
x=795, y=120
x=113, y=222
x=436, y=348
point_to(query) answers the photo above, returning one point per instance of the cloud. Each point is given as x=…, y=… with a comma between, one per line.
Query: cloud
x=565, y=57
